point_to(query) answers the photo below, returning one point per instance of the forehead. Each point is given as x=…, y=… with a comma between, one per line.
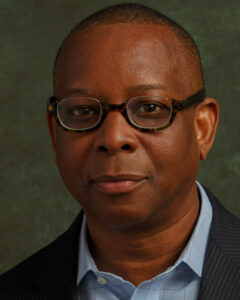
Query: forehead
x=122, y=55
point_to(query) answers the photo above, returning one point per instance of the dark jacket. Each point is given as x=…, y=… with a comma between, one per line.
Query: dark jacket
x=50, y=274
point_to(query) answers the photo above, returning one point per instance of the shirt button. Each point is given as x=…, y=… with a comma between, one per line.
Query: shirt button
x=101, y=280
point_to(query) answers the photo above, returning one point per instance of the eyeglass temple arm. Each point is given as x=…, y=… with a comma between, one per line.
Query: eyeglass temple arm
x=196, y=98
x=52, y=105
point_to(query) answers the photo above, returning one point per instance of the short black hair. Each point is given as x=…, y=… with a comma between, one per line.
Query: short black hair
x=136, y=13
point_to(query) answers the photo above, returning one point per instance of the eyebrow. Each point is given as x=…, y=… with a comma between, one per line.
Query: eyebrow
x=146, y=87
x=142, y=87
x=73, y=91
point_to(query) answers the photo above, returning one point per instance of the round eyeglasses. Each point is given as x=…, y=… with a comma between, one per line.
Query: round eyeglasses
x=147, y=113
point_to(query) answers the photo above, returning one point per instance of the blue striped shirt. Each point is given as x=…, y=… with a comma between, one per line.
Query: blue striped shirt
x=179, y=282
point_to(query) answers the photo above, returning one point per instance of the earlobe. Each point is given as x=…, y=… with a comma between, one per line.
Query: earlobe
x=52, y=131
x=205, y=122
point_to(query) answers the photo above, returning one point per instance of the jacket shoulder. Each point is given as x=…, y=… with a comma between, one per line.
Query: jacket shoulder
x=52, y=262
x=225, y=229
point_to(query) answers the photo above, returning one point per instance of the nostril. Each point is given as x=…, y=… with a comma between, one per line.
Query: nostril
x=102, y=149
x=126, y=147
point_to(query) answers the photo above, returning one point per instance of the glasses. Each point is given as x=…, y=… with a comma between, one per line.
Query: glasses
x=146, y=113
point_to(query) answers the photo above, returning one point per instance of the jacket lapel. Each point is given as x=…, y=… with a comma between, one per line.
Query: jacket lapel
x=221, y=271
x=55, y=268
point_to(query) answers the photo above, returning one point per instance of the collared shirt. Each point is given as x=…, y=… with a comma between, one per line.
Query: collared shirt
x=179, y=282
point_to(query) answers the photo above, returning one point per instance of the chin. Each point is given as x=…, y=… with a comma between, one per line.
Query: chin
x=119, y=216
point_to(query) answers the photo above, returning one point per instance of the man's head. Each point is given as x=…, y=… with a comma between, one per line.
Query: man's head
x=121, y=176
x=139, y=14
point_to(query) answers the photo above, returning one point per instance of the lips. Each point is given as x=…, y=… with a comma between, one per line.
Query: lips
x=118, y=184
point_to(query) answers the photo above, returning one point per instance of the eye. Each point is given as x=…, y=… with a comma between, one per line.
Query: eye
x=149, y=107
x=82, y=111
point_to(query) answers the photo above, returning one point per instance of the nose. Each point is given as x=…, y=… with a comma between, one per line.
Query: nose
x=116, y=135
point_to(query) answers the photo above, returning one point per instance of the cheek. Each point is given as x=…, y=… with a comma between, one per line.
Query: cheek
x=72, y=150
x=174, y=151
x=185, y=152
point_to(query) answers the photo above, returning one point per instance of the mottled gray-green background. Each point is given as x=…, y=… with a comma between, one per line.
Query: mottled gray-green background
x=35, y=207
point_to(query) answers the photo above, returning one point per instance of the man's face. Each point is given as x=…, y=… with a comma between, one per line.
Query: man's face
x=120, y=175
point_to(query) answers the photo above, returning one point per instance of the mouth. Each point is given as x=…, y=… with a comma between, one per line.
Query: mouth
x=118, y=184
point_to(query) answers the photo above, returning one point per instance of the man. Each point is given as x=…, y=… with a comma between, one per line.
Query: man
x=129, y=123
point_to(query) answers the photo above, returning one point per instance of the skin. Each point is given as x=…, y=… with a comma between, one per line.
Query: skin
x=137, y=229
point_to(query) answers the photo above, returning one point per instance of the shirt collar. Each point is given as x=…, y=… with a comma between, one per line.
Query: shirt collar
x=85, y=257
x=192, y=255
x=194, y=252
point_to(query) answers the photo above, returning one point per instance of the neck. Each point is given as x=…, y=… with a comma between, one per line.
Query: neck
x=140, y=255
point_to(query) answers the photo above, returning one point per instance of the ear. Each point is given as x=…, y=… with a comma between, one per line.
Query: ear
x=205, y=123
x=52, y=127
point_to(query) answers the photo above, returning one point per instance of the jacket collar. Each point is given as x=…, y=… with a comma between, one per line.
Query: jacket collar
x=221, y=271
x=53, y=269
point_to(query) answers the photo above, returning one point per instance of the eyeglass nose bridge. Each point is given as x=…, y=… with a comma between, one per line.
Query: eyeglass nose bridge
x=106, y=108
x=111, y=107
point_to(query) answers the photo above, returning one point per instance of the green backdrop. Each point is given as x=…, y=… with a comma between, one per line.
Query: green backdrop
x=35, y=207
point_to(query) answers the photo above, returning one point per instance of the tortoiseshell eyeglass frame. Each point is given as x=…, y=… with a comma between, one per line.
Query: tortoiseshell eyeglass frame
x=177, y=105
